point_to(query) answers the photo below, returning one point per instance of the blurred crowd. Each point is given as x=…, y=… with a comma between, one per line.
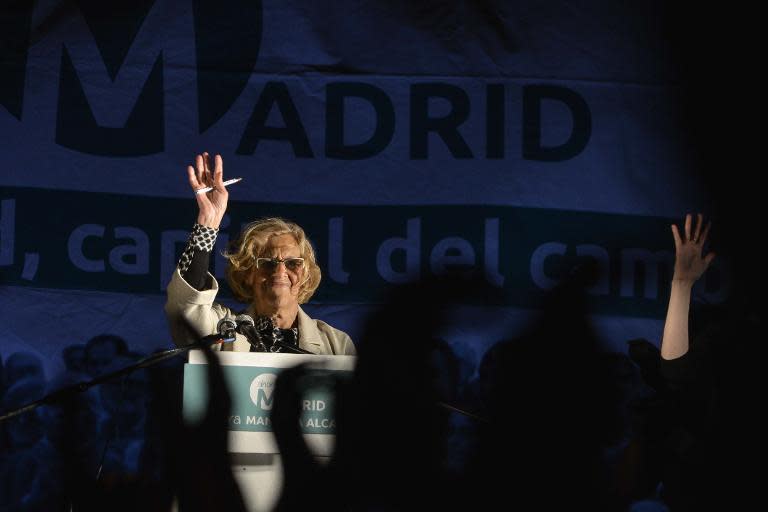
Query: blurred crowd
x=553, y=420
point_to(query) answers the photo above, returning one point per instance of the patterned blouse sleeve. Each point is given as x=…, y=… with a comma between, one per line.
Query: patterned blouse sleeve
x=195, y=260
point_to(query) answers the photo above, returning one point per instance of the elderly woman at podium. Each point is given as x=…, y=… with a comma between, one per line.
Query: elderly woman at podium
x=271, y=267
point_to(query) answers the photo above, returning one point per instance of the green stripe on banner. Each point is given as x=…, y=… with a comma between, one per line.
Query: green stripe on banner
x=61, y=239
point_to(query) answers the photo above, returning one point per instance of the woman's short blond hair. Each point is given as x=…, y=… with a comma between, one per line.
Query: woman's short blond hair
x=251, y=244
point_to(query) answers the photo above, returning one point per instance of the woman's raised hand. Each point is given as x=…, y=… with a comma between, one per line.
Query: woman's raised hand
x=212, y=204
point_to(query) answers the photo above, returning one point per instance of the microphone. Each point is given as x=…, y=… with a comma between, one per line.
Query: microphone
x=247, y=327
x=226, y=329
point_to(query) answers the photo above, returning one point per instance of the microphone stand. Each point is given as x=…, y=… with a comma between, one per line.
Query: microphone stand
x=80, y=387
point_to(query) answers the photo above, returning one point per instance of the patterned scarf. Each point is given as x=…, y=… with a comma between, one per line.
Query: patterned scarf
x=270, y=336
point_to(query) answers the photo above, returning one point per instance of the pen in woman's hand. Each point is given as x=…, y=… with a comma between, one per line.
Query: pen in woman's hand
x=208, y=189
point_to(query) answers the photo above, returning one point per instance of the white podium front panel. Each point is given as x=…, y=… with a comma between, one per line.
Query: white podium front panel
x=250, y=377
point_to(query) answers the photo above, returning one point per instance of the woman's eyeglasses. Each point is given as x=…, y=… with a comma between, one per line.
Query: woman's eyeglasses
x=272, y=263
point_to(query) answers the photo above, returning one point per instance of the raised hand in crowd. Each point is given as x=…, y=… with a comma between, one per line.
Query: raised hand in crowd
x=690, y=265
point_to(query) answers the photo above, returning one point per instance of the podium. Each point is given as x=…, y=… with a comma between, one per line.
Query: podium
x=250, y=378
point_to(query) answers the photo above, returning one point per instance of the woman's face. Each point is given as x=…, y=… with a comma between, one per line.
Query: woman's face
x=277, y=286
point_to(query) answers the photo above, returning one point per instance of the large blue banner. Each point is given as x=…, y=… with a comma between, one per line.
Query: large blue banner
x=408, y=138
